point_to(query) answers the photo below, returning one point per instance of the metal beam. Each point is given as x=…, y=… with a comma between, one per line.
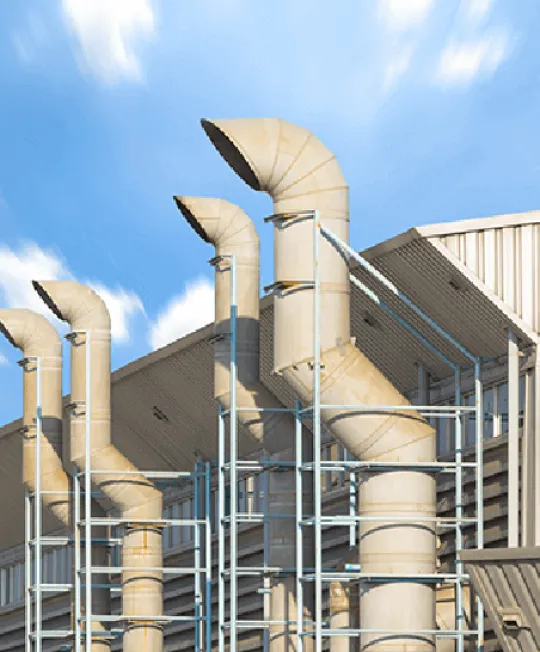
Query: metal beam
x=536, y=450
x=513, y=440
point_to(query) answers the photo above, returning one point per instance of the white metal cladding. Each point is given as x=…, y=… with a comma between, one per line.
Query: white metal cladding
x=508, y=581
x=506, y=260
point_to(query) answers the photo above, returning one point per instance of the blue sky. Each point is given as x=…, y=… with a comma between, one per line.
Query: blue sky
x=431, y=107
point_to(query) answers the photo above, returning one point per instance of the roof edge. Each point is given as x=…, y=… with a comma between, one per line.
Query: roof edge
x=479, y=224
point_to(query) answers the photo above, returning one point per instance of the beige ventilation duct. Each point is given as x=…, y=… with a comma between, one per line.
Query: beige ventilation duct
x=231, y=231
x=133, y=495
x=36, y=337
x=300, y=174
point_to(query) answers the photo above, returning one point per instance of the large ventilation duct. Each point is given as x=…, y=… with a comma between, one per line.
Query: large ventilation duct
x=300, y=174
x=134, y=496
x=37, y=338
x=232, y=233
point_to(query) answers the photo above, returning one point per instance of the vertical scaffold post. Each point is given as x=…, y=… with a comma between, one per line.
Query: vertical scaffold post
x=299, y=533
x=37, y=511
x=197, y=553
x=221, y=530
x=88, y=497
x=478, y=390
x=317, y=431
x=77, y=556
x=28, y=570
x=458, y=423
x=233, y=456
x=208, y=558
x=266, y=552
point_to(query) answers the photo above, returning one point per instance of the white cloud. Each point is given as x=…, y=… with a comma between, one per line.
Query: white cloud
x=3, y=360
x=461, y=62
x=184, y=314
x=396, y=67
x=108, y=33
x=476, y=10
x=402, y=15
x=18, y=268
x=122, y=307
x=30, y=38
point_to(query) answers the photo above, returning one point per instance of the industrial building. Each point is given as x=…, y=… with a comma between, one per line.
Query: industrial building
x=305, y=472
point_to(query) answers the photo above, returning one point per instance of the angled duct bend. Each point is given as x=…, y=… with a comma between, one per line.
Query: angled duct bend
x=133, y=495
x=300, y=174
x=232, y=232
x=36, y=337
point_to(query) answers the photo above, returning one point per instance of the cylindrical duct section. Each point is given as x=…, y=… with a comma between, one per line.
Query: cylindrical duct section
x=343, y=615
x=233, y=233
x=37, y=338
x=301, y=174
x=132, y=494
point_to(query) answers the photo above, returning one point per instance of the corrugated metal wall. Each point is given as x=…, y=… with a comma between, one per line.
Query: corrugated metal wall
x=507, y=261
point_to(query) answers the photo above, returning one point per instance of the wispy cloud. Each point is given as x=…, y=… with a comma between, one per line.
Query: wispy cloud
x=109, y=33
x=402, y=15
x=30, y=38
x=397, y=66
x=3, y=360
x=122, y=306
x=19, y=267
x=462, y=62
x=476, y=10
x=184, y=314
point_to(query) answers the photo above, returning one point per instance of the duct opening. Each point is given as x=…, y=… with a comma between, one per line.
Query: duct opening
x=46, y=298
x=5, y=332
x=230, y=152
x=191, y=219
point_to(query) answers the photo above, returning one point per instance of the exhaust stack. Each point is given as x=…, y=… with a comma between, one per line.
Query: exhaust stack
x=232, y=232
x=133, y=495
x=36, y=337
x=301, y=174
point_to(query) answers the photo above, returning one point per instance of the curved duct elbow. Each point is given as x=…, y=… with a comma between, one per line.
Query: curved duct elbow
x=302, y=175
x=74, y=303
x=232, y=233
x=131, y=493
x=37, y=338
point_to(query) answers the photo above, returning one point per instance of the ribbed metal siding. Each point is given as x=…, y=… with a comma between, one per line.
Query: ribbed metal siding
x=509, y=581
x=507, y=261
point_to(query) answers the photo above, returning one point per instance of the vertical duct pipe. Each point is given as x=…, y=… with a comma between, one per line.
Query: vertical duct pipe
x=300, y=173
x=133, y=495
x=232, y=232
x=36, y=337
